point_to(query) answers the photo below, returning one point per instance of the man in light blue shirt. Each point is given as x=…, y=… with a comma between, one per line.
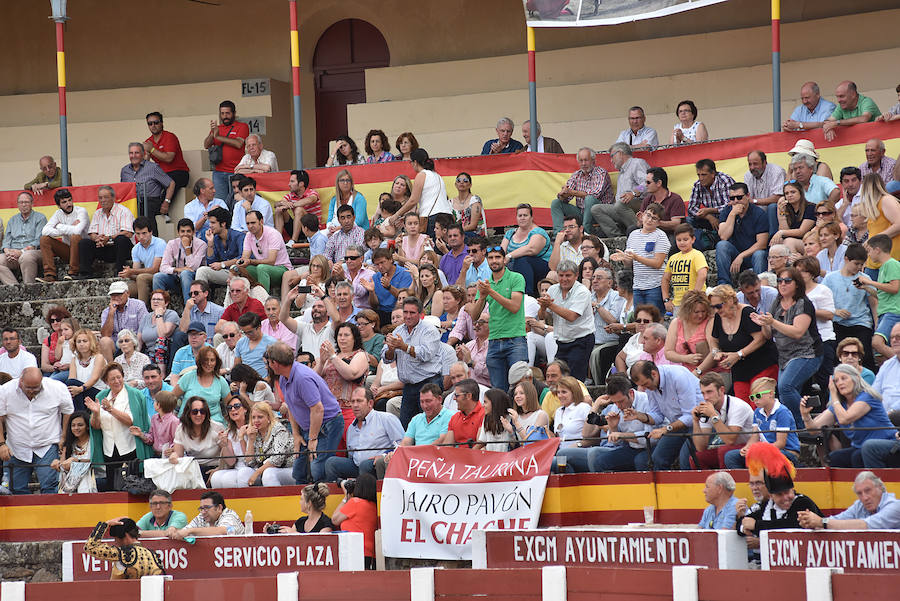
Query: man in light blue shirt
x=153, y=384
x=812, y=112
x=815, y=187
x=204, y=201
x=673, y=392
x=251, y=347
x=372, y=432
x=874, y=509
x=22, y=242
x=199, y=308
x=887, y=381
x=248, y=201
x=754, y=293
x=475, y=266
x=720, y=514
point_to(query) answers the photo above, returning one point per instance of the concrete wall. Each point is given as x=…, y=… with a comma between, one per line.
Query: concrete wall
x=113, y=44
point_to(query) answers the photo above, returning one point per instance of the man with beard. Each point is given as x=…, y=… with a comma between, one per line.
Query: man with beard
x=310, y=334
x=62, y=233
x=230, y=135
x=851, y=182
x=504, y=294
x=764, y=180
x=300, y=200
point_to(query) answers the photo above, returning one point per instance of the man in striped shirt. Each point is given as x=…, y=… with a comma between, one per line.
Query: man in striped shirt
x=109, y=234
x=708, y=197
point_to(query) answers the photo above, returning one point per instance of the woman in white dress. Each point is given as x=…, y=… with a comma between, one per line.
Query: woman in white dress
x=688, y=130
x=233, y=470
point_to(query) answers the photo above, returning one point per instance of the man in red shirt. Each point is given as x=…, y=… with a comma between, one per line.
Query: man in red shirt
x=230, y=135
x=163, y=147
x=464, y=425
x=242, y=302
x=300, y=200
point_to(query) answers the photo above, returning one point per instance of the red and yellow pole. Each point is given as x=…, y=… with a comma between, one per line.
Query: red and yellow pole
x=776, y=65
x=61, y=86
x=532, y=86
x=295, y=81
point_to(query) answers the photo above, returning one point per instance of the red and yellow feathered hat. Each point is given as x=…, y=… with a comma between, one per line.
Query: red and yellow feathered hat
x=777, y=469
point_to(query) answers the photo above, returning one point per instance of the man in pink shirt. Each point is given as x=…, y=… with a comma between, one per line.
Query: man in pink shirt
x=265, y=257
x=182, y=258
x=655, y=344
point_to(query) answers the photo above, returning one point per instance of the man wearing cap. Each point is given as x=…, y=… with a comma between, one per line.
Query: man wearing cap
x=186, y=356
x=782, y=509
x=416, y=345
x=121, y=314
x=62, y=233
x=128, y=559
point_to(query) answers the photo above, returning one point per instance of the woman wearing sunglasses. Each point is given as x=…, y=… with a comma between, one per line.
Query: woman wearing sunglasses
x=468, y=208
x=197, y=436
x=644, y=315
x=795, y=217
x=737, y=343
x=50, y=362
x=792, y=324
x=233, y=470
x=686, y=341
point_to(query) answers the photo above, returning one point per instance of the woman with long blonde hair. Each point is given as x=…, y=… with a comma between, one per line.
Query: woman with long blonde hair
x=882, y=211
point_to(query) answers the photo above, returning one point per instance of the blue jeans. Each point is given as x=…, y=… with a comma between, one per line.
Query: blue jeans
x=620, y=458
x=60, y=376
x=502, y=353
x=329, y=438
x=560, y=210
x=734, y=460
x=409, y=400
x=880, y=453
x=47, y=476
x=653, y=296
x=726, y=253
x=340, y=467
x=791, y=380
x=667, y=449
x=772, y=215
x=78, y=399
x=171, y=281
x=576, y=461
x=533, y=269
x=223, y=187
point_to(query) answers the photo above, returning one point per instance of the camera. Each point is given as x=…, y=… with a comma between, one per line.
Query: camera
x=813, y=401
x=304, y=289
x=272, y=528
x=857, y=283
x=349, y=485
x=595, y=419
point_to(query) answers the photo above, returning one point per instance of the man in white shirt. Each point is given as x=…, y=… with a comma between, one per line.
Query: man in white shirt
x=60, y=236
x=248, y=200
x=638, y=135
x=231, y=333
x=719, y=415
x=257, y=159
x=16, y=358
x=573, y=322
x=36, y=412
x=310, y=334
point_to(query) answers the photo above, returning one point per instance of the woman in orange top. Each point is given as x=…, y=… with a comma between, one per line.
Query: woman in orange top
x=882, y=211
x=358, y=512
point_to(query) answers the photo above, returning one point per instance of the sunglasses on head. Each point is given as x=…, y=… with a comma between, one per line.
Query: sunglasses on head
x=495, y=249
x=758, y=395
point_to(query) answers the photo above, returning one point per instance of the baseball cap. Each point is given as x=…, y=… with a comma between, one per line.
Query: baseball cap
x=119, y=287
x=518, y=371
x=196, y=326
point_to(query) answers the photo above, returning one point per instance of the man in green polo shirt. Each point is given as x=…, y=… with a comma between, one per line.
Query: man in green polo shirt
x=852, y=109
x=161, y=517
x=504, y=294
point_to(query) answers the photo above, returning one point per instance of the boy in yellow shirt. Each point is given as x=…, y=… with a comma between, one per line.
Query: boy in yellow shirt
x=686, y=269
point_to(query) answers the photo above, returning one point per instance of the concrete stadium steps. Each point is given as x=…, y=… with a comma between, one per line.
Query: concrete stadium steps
x=29, y=313
x=31, y=336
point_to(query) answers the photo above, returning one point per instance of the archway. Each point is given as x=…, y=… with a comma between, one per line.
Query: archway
x=342, y=55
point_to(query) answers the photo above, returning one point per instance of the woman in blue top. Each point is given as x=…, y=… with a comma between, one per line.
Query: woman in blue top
x=206, y=383
x=346, y=192
x=528, y=249
x=853, y=404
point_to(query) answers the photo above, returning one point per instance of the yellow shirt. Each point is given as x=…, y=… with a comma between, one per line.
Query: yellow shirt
x=684, y=269
x=875, y=228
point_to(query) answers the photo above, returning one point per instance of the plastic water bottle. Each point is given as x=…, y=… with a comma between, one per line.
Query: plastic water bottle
x=248, y=522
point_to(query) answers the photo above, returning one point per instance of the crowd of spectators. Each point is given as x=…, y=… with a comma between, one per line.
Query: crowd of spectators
x=413, y=326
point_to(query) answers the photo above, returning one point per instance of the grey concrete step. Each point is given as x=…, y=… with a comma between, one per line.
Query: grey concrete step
x=29, y=313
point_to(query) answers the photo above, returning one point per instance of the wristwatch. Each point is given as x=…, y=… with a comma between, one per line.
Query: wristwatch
x=740, y=353
x=698, y=371
x=825, y=523
x=669, y=428
x=714, y=419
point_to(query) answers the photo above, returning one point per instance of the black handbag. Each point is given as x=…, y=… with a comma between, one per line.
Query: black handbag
x=133, y=482
x=217, y=152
